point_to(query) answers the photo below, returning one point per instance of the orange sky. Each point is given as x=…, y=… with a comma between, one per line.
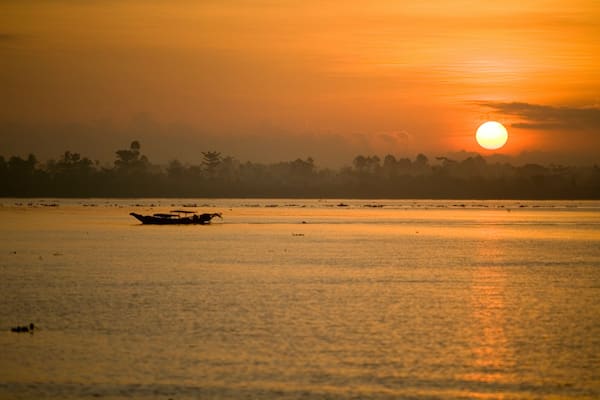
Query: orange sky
x=276, y=80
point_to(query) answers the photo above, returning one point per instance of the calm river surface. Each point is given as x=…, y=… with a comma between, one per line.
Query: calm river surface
x=290, y=299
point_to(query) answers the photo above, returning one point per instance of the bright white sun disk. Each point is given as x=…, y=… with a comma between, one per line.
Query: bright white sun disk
x=491, y=135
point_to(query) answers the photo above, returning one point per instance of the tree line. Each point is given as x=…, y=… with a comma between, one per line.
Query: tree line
x=133, y=175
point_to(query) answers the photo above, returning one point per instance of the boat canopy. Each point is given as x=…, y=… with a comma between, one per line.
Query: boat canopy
x=161, y=215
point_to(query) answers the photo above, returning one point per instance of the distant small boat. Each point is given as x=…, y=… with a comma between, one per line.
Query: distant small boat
x=176, y=217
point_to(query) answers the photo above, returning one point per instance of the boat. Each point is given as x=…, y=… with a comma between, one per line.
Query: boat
x=176, y=217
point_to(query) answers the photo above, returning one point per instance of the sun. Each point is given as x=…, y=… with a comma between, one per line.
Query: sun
x=491, y=135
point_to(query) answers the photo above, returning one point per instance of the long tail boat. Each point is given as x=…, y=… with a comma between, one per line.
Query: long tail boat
x=176, y=217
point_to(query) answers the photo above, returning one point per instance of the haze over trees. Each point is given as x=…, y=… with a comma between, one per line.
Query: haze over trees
x=133, y=175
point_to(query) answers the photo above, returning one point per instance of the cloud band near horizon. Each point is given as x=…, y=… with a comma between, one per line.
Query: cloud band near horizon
x=545, y=117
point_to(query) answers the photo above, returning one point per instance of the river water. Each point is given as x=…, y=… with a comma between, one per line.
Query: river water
x=301, y=299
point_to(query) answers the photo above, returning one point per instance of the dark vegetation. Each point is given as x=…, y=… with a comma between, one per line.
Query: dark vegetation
x=133, y=175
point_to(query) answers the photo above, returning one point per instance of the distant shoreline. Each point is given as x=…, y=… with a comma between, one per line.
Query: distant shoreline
x=369, y=177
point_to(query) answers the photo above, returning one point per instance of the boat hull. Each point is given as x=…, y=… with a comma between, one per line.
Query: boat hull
x=203, y=219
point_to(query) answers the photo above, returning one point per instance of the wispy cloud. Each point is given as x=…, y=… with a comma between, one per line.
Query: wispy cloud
x=9, y=37
x=543, y=117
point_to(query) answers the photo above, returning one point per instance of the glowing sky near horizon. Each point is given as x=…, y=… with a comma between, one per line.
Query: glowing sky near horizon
x=402, y=78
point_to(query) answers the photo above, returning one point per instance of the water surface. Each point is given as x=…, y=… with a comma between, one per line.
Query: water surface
x=301, y=299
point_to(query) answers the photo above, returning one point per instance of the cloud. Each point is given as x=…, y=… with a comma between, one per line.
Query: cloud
x=543, y=117
x=9, y=37
x=368, y=143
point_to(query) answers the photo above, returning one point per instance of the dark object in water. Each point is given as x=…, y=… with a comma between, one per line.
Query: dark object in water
x=176, y=218
x=23, y=329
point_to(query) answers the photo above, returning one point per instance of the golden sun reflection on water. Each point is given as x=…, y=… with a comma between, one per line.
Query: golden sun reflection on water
x=492, y=353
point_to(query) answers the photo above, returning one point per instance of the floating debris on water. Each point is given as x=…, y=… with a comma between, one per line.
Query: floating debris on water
x=23, y=329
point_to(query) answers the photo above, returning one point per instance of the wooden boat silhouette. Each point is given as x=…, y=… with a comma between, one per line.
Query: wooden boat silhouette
x=176, y=217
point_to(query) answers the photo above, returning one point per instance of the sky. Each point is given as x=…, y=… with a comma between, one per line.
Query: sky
x=269, y=80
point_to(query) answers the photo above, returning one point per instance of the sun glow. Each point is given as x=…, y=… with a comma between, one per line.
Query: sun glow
x=491, y=135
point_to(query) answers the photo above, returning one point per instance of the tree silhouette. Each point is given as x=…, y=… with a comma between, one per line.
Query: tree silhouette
x=367, y=165
x=132, y=175
x=131, y=160
x=211, y=161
